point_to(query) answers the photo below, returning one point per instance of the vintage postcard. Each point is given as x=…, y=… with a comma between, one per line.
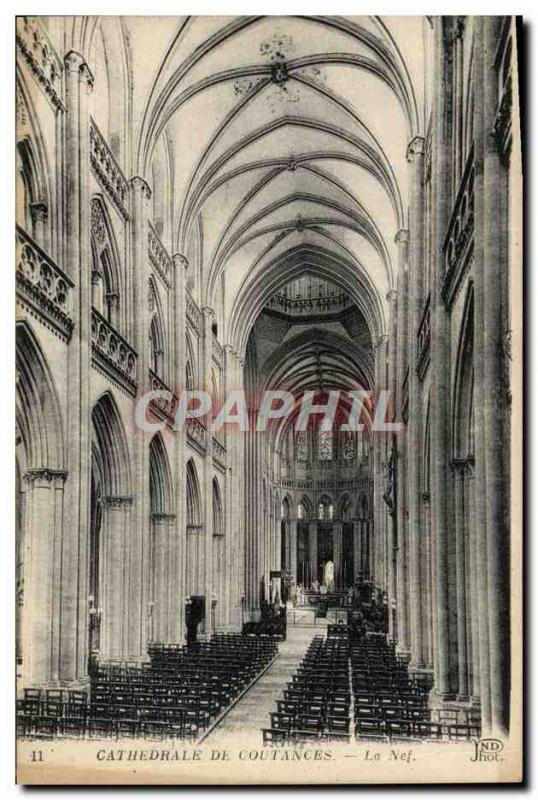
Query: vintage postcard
x=268, y=400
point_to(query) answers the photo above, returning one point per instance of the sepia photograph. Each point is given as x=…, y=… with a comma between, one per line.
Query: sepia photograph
x=268, y=399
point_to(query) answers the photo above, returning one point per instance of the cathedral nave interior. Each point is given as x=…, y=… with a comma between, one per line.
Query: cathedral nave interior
x=300, y=204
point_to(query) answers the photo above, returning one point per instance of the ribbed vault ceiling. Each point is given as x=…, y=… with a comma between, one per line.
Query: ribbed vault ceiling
x=289, y=139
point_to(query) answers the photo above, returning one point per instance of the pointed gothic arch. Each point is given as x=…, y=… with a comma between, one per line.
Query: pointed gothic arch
x=160, y=483
x=195, y=566
x=40, y=478
x=107, y=285
x=162, y=545
x=110, y=526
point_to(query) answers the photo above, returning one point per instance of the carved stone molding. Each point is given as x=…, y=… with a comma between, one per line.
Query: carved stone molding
x=197, y=435
x=193, y=313
x=219, y=454
x=107, y=170
x=118, y=501
x=42, y=59
x=46, y=475
x=459, y=239
x=159, y=257
x=42, y=288
x=113, y=353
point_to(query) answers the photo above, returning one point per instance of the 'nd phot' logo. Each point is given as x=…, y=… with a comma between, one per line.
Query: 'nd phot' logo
x=488, y=750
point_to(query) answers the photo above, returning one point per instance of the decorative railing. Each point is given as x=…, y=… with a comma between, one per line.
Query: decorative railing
x=197, y=434
x=219, y=453
x=108, y=171
x=458, y=243
x=159, y=256
x=41, y=57
x=166, y=407
x=309, y=305
x=320, y=485
x=42, y=287
x=112, y=353
x=194, y=315
x=424, y=340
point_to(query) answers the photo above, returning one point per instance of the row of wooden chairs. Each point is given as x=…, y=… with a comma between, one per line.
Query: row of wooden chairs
x=316, y=702
x=177, y=695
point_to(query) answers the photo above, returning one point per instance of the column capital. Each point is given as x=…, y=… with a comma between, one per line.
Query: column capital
x=117, y=501
x=207, y=311
x=45, y=475
x=76, y=63
x=415, y=148
x=138, y=184
x=179, y=260
x=392, y=294
x=402, y=236
x=159, y=517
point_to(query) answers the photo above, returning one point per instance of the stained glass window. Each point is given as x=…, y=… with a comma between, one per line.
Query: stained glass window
x=301, y=446
x=325, y=445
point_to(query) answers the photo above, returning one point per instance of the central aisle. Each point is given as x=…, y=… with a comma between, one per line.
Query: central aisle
x=251, y=712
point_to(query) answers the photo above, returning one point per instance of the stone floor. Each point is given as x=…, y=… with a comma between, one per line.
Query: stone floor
x=251, y=713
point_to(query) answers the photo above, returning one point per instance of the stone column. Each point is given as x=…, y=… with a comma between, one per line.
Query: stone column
x=428, y=643
x=313, y=549
x=158, y=577
x=415, y=156
x=292, y=526
x=480, y=234
x=440, y=371
x=473, y=580
x=357, y=549
x=136, y=645
x=234, y=511
x=381, y=532
x=458, y=466
x=286, y=564
x=74, y=627
x=178, y=564
x=115, y=609
x=396, y=557
x=391, y=534
x=43, y=575
x=337, y=553
x=207, y=486
x=495, y=396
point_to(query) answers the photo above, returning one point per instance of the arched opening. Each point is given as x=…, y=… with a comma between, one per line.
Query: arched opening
x=110, y=530
x=32, y=199
x=106, y=273
x=195, y=533
x=40, y=477
x=163, y=551
x=218, y=601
